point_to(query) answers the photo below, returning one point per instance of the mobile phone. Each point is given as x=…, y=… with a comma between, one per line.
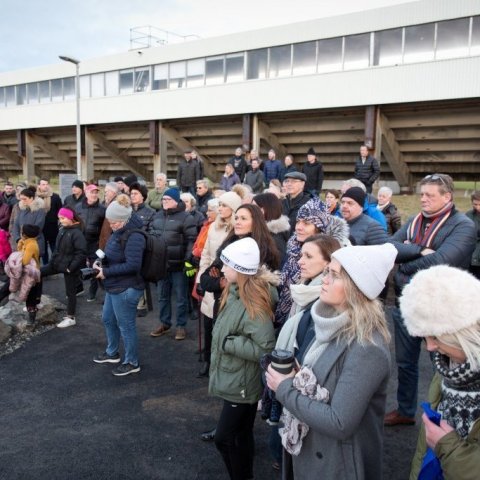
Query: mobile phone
x=432, y=415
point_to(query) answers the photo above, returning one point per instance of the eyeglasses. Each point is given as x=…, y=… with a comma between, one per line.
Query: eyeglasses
x=434, y=177
x=332, y=276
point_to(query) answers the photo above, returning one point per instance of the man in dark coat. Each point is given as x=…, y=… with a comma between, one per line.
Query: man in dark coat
x=288, y=167
x=255, y=178
x=204, y=194
x=52, y=205
x=313, y=170
x=438, y=235
x=367, y=169
x=271, y=167
x=239, y=164
x=77, y=195
x=8, y=194
x=294, y=184
x=179, y=231
x=188, y=174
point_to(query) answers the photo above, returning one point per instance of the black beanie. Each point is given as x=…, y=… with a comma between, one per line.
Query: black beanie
x=30, y=231
x=130, y=179
x=118, y=179
x=357, y=194
x=78, y=184
x=311, y=151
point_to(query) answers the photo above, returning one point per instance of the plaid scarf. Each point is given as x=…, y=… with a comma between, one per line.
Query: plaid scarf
x=424, y=227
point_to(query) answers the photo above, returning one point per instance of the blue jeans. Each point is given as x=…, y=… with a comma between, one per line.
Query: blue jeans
x=119, y=318
x=178, y=282
x=407, y=353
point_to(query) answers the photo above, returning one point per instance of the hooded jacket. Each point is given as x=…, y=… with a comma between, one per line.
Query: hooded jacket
x=238, y=342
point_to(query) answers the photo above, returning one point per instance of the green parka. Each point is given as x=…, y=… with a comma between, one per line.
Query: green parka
x=238, y=342
x=460, y=459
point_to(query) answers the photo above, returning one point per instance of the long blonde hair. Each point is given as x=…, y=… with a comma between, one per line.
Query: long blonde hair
x=366, y=316
x=254, y=293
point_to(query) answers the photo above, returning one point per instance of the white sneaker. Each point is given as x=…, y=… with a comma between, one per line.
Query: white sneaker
x=67, y=322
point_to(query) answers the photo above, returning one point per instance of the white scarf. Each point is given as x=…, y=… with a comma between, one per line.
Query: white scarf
x=304, y=294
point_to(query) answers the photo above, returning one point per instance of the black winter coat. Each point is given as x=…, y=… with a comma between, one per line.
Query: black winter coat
x=202, y=202
x=314, y=173
x=291, y=206
x=70, y=250
x=179, y=230
x=92, y=217
x=240, y=168
x=284, y=170
x=366, y=172
x=146, y=214
x=188, y=174
x=71, y=201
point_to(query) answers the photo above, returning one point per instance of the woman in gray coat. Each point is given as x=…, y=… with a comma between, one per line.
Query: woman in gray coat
x=336, y=399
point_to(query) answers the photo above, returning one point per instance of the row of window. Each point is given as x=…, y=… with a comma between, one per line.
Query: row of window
x=418, y=43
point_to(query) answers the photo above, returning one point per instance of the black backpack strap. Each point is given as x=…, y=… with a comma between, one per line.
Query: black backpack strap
x=126, y=234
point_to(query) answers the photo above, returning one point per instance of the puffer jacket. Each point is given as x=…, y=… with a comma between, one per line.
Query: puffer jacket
x=70, y=250
x=238, y=342
x=72, y=201
x=146, y=214
x=188, y=173
x=92, y=217
x=34, y=215
x=366, y=231
x=178, y=229
x=122, y=264
x=256, y=180
x=392, y=217
x=366, y=172
x=22, y=277
x=460, y=459
x=240, y=166
x=475, y=217
x=271, y=170
x=453, y=244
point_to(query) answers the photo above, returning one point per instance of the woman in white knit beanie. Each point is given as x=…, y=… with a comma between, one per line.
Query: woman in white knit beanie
x=334, y=405
x=442, y=304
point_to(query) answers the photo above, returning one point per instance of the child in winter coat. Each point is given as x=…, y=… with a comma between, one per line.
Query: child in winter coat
x=243, y=332
x=68, y=257
x=5, y=248
x=23, y=270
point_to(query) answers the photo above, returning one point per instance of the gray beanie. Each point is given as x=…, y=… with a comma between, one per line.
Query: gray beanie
x=118, y=212
x=368, y=266
x=242, y=255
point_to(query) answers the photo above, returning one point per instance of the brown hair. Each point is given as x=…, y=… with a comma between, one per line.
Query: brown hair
x=475, y=196
x=325, y=243
x=271, y=205
x=444, y=182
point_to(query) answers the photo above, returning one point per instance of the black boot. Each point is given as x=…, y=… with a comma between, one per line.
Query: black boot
x=208, y=436
x=203, y=373
x=32, y=314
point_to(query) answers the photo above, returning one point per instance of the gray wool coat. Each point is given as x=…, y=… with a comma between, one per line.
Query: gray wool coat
x=345, y=440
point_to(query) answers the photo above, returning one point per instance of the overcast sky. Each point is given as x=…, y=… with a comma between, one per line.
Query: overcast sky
x=34, y=33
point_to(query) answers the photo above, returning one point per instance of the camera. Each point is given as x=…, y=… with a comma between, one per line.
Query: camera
x=282, y=361
x=90, y=272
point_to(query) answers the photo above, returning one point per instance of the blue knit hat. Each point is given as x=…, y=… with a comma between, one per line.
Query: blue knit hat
x=316, y=212
x=173, y=193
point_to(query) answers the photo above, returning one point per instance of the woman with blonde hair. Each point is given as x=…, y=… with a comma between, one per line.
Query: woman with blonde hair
x=334, y=405
x=243, y=332
x=442, y=304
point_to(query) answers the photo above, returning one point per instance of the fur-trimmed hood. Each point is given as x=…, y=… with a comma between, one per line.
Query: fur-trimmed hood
x=279, y=225
x=338, y=228
x=36, y=205
x=440, y=300
x=273, y=278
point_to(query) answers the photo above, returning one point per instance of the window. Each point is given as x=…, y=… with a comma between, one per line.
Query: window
x=21, y=94
x=160, y=77
x=195, y=72
x=330, y=55
x=234, y=67
x=10, y=96
x=2, y=97
x=419, y=43
x=142, y=79
x=44, y=91
x=177, y=75
x=85, y=86
x=126, y=81
x=69, y=88
x=357, y=51
x=112, y=87
x=304, y=58
x=257, y=64
x=452, y=38
x=97, y=82
x=388, y=47
x=475, y=46
x=56, y=89
x=214, y=70
x=280, y=61
x=32, y=93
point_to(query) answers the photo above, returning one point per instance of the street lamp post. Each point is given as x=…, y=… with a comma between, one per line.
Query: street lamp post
x=77, y=97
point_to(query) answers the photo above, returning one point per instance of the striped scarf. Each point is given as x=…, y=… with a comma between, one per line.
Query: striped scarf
x=419, y=235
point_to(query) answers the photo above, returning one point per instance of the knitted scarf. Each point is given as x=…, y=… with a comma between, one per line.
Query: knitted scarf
x=424, y=227
x=47, y=198
x=460, y=401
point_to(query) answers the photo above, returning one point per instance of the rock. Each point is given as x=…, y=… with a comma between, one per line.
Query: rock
x=13, y=316
x=5, y=332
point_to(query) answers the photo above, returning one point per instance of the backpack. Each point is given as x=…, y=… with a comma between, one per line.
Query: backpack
x=154, y=262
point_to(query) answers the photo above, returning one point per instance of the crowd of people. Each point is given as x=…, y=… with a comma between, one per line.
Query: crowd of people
x=277, y=272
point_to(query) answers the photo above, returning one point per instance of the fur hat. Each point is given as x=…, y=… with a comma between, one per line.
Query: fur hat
x=439, y=301
x=368, y=266
x=130, y=179
x=316, y=212
x=231, y=200
x=242, y=255
x=140, y=188
x=357, y=194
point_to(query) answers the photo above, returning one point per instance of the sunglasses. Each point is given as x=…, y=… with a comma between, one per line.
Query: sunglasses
x=434, y=177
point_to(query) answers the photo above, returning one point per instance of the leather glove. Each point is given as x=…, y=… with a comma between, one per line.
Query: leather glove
x=189, y=269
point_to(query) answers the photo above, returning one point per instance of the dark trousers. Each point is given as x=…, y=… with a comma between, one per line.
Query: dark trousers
x=50, y=236
x=33, y=297
x=207, y=338
x=234, y=438
x=71, y=284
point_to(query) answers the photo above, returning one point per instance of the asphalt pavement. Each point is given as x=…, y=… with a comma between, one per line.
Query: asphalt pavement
x=64, y=417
